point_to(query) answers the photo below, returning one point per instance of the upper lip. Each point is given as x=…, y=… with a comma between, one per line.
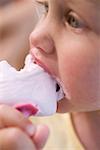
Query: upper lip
x=39, y=62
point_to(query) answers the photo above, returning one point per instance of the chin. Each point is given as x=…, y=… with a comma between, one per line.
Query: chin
x=65, y=105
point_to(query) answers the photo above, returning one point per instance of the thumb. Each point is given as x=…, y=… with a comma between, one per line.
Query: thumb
x=41, y=136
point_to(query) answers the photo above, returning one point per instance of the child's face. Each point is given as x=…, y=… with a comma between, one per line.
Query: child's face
x=68, y=44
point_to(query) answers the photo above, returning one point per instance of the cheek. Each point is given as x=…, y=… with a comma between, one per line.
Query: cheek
x=79, y=71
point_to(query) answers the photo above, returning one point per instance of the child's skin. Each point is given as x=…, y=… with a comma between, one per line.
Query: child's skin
x=68, y=44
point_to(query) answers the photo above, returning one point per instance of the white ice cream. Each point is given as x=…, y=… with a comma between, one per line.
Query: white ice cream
x=31, y=85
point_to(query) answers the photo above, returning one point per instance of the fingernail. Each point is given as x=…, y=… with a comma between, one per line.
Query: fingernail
x=30, y=129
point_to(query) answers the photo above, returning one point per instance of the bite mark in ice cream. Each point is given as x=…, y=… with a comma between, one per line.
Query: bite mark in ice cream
x=32, y=90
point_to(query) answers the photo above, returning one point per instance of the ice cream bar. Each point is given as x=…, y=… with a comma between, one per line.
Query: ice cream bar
x=31, y=90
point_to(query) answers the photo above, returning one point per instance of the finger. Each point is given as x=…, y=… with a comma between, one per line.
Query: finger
x=15, y=139
x=11, y=117
x=41, y=136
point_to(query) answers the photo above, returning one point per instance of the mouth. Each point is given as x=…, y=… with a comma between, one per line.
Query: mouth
x=27, y=109
x=39, y=62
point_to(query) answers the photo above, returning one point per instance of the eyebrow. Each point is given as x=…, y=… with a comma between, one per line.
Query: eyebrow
x=94, y=2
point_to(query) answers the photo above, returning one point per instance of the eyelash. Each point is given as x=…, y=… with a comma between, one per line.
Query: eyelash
x=70, y=18
x=74, y=21
x=44, y=4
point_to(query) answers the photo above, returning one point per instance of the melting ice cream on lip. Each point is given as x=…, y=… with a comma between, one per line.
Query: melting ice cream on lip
x=31, y=90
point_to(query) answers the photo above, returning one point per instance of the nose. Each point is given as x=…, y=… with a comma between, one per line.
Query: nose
x=42, y=39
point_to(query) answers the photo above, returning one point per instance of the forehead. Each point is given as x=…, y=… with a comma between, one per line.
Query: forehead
x=91, y=1
x=88, y=2
x=96, y=3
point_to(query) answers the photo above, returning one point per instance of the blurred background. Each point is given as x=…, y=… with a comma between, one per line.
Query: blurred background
x=17, y=19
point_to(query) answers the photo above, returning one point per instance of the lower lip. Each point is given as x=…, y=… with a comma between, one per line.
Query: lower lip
x=27, y=109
